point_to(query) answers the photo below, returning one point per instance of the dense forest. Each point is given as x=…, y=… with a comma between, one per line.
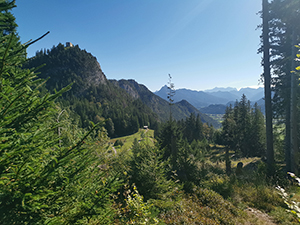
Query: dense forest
x=92, y=97
x=58, y=165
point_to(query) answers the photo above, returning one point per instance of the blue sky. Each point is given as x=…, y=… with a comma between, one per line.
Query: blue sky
x=201, y=43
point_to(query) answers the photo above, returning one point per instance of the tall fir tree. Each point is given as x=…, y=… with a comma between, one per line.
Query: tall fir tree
x=284, y=35
x=44, y=180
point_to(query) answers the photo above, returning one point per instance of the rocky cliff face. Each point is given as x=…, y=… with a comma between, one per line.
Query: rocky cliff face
x=68, y=65
x=95, y=75
x=128, y=86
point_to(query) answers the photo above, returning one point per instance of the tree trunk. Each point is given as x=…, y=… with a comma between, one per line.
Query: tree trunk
x=227, y=161
x=294, y=138
x=267, y=84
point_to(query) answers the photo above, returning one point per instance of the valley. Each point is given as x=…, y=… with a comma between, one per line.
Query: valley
x=78, y=146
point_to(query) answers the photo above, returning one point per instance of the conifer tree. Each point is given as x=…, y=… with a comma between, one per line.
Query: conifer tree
x=43, y=180
x=284, y=33
x=149, y=173
x=242, y=129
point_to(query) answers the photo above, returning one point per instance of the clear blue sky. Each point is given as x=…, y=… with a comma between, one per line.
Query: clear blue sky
x=201, y=43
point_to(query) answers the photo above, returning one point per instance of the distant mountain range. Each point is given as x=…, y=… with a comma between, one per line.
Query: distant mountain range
x=214, y=101
x=161, y=107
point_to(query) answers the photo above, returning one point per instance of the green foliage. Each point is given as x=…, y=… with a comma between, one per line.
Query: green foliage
x=118, y=143
x=202, y=207
x=92, y=96
x=136, y=211
x=46, y=175
x=221, y=184
x=183, y=149
x=148, y=173
x=280, y=216
x=294, y=207
x=243, y=128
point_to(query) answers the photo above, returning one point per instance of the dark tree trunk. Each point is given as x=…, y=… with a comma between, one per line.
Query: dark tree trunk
x=267, y=84
x=294, y=130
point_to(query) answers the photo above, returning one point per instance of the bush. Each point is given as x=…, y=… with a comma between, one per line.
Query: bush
x=148, y=173
x=221, y=184
x=135, y=211
x=118, y=143
x=203, y=207
x=261, y=197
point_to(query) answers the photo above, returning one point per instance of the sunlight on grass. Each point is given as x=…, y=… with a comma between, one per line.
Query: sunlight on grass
x=142, y=135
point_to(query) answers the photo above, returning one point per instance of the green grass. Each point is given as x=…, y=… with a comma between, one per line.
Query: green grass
x=250, y=189
x=217, y=117
x=142, y=135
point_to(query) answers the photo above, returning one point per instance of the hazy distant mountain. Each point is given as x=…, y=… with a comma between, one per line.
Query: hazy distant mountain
x=214, y=109
x=228, y=96
x=216, y=89
x=251, y=93
x=211, y=99
x=198, y=99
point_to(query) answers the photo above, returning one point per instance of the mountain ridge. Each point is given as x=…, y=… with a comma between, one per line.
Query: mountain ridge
x=160, y=106
x=215, y=96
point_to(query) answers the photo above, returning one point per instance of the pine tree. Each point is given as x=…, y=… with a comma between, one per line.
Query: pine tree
x=43, y=179
x=257, y=132
x=149, y=173
x=229, y=129
x=284, y=35
x=242, y=129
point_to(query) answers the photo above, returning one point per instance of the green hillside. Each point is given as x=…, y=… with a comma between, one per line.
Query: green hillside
x=125, y=143
x=92, y=97
x=56, y=168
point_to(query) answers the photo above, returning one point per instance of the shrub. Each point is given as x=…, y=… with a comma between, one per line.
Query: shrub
x=203, y=207
x=148, y=173
x=221, y=184
x=118, y=143
x=135, y=211
x=261, y=197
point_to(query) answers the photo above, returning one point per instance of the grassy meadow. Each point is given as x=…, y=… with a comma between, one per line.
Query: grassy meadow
x=126, y=142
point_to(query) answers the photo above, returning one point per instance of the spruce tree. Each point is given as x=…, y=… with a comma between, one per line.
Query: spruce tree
x=148, y=171
x=43, y=180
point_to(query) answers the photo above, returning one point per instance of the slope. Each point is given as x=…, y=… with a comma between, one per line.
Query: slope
x=92, y=97
x=161, y=107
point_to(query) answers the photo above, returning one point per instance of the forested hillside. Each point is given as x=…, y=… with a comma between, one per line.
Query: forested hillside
x=126, y=105
x=57, y=167
x=92, y=97
x=180, y=110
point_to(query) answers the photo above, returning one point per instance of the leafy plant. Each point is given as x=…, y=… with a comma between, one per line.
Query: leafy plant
x=136, y=211
x=294, y=207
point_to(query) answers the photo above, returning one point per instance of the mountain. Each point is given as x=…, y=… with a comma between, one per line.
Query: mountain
x=125, y=105
x=214, y=109
x=197, y=98
x=64, y=65
x=228, y=96
x=92, y=97
x=207, y=101
x=253, y=94
x=222, y=89
x=161, y=107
